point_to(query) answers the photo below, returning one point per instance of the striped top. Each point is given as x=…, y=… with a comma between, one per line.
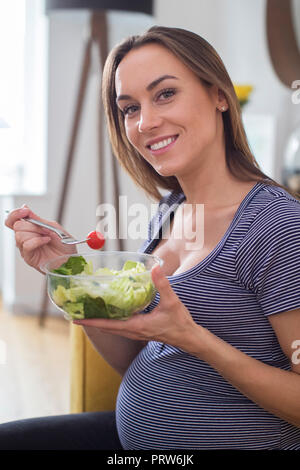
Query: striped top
x=169, y=399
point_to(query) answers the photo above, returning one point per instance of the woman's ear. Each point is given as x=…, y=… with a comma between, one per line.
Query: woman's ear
x=221, y=101
x=219, y=98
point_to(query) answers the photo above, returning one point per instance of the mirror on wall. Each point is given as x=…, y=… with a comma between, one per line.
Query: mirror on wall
x=283, y=36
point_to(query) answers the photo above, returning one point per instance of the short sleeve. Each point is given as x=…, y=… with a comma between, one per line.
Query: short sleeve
x=268, y=258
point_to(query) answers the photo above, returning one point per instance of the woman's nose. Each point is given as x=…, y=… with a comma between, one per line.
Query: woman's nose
x=149, y=119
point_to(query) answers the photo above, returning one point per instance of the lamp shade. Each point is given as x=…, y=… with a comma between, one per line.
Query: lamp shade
x=141, y=6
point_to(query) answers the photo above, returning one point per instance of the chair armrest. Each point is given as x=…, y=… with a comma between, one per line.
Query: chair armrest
x=94, y=383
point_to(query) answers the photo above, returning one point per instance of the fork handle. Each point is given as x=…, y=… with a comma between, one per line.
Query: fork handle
x=42, y=224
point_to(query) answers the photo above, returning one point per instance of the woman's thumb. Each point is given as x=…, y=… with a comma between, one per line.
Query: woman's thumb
x=161, y=282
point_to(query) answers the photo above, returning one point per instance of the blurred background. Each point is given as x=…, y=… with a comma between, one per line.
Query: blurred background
x=42, y=50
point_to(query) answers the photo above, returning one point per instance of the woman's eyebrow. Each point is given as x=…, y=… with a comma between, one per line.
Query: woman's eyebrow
x=149, y=87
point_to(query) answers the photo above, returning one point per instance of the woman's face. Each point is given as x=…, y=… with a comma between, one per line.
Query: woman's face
x=170, y=117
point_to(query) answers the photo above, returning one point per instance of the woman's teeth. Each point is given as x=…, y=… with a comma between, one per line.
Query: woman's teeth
x=162, y=144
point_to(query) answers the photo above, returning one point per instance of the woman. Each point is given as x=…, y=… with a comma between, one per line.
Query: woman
x=212, y=364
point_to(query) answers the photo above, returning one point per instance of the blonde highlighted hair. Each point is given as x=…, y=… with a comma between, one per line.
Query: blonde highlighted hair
x=202, y=59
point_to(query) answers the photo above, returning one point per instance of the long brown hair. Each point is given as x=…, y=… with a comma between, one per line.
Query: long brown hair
x=200, y=57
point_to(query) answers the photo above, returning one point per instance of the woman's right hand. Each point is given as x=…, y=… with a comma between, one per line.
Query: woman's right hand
x=37, y=245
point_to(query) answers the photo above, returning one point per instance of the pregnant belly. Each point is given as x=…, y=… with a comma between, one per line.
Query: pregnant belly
x=166, y=404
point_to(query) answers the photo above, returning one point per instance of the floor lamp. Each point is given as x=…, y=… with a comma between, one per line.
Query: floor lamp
x=98, y=36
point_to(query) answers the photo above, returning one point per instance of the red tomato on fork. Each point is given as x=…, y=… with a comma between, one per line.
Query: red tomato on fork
x=95, y=240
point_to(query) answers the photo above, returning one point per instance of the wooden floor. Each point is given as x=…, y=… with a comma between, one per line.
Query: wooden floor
x=34, y=367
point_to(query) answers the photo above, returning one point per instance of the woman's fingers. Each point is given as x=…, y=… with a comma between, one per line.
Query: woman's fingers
x=25, y=226
x=15, y=215
x=27, y=243
x=25, y=231
x=33, y=243
x=36, y=244
x=168, y=298
x=15, y=221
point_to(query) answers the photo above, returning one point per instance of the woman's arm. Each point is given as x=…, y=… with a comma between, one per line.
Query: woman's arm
x=275, y=390
x=117, y=351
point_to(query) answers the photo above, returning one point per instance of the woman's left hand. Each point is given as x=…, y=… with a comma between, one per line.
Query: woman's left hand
x=170, y=322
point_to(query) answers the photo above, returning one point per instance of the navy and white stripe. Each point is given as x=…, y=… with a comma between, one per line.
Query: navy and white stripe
x=169, y=399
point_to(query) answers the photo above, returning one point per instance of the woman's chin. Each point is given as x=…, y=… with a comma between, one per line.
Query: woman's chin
x=165, y=171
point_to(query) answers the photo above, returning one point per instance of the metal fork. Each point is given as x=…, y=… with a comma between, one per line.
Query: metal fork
x=66, y=239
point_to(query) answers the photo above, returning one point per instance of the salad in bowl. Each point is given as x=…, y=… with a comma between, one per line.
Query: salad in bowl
x=110, y=284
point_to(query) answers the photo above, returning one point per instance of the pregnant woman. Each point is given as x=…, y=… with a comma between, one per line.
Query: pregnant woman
x=212, y=362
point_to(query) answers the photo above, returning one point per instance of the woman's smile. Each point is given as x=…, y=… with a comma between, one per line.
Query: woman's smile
x=162, y=144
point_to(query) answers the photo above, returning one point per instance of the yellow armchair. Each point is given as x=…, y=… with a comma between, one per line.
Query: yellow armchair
x=94, y=383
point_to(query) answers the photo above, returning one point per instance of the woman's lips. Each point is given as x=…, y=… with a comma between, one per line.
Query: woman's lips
x=166, y=146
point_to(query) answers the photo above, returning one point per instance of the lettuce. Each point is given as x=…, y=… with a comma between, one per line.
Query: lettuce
x=129, y=292
x=74, y=265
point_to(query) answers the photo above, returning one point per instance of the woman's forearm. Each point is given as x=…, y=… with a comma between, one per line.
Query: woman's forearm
x=274, y=389
x=117, y=351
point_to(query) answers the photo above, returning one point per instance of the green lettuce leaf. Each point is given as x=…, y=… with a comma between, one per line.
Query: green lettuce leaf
x=132, y=290
x=74, y=265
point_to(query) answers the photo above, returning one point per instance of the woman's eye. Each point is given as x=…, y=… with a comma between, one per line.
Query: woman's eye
x=162, y=96
x=165, y=94
x=128, y=110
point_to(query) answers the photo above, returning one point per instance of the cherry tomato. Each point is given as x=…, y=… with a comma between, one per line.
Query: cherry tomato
x=96, y=240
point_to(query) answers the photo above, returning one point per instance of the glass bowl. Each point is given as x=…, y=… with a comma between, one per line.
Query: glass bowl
x=109, y=284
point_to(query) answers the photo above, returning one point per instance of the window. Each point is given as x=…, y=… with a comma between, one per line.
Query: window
x=23, y=91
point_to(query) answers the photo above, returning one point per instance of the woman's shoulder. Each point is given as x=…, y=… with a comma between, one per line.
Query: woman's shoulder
x=267, y=260
x=273, y=212
x=277, y=204
x=277, y=193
